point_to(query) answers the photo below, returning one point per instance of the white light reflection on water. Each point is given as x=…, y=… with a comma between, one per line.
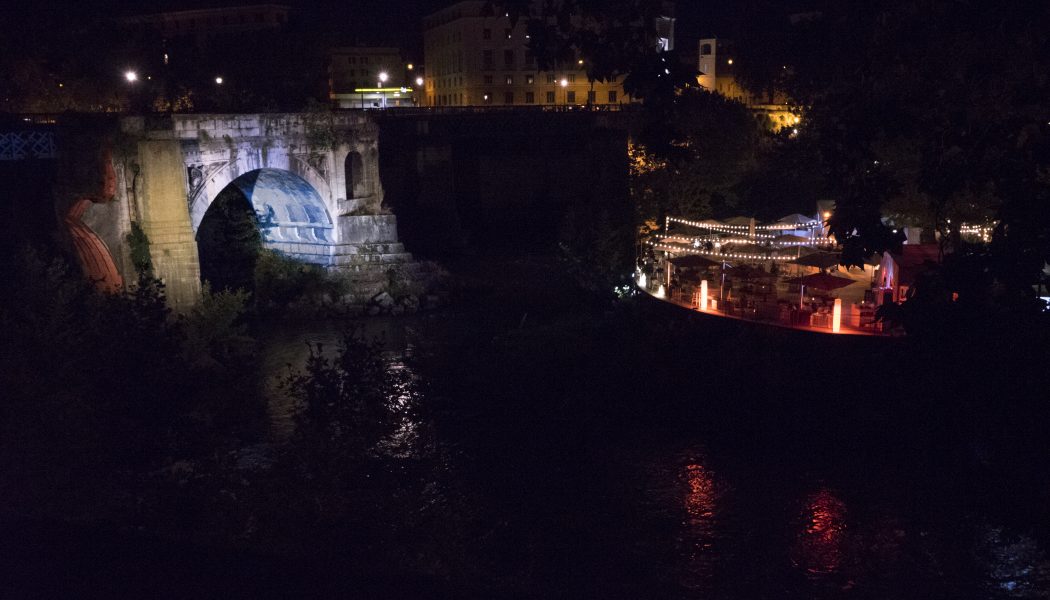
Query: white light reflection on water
x=404, y=442
x=1013, y=565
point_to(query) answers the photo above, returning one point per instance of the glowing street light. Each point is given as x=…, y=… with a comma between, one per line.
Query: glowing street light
x=131, y=76
x=383, y=76
x=564, y=83
x=419, y=81
x=218, y=80
x=410, y=66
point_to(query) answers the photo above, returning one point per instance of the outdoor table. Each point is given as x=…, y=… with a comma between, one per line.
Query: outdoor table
x=820, y=320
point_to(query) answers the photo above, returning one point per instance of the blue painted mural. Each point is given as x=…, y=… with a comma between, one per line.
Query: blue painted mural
x=289, y=210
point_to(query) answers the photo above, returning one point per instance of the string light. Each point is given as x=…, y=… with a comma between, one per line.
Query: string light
x=720, y=226
x=822, y=241
x=669, y=248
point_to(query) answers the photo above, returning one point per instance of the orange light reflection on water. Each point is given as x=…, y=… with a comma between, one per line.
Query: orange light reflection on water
x=821, y=545
x=700, y=499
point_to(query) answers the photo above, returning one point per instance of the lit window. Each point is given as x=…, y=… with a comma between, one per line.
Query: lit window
x=529, y=79
x=510, y=80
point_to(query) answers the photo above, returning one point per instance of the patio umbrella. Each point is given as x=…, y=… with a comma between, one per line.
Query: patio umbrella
x=795, y=219
x=783, y=239
x=738, y=221
x=693, y=261
x=752, y=273
x=822, y=260
x=747, y=249
x=823, y=281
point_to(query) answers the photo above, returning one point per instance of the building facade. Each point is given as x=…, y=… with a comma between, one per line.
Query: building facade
x=477, y=59
x=370, y=77
x=206, y=22
x=716, y=65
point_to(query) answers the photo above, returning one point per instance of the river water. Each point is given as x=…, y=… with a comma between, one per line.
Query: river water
x=705, y=507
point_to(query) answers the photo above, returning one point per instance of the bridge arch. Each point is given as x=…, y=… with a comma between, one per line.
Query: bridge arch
x=263, y=208
x=206, y=182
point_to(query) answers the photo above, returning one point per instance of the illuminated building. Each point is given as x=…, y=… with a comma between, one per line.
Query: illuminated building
x=370, y=77
x=477, y=58
x=717, y=66
x=207, y=22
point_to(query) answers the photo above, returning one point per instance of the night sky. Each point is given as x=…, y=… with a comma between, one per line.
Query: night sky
x=369, y=22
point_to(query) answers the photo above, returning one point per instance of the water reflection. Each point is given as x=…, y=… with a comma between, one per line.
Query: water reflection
x=1014, y=565
x=404, y=442
x=821, y=544
x=698, y=541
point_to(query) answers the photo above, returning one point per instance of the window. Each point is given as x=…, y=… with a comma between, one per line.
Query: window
x=550, y=97
x=550, y=77
x=530, y=98
x=572, y=78
x=486, y=34
x=488, y=97
x=530, y=58
x=508, y=59
x=486, y=59
x=705, y=49
x=508, y=97
x=510, y=80
x=592, y=97
x=530, y=79
x=612, y=96
x=364, y=60
x=354, y=167
x=570, y=97
x=488, y=80
x=353, y=73
x=506, y=33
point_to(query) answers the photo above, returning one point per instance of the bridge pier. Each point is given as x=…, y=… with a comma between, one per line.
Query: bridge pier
x=166, y=222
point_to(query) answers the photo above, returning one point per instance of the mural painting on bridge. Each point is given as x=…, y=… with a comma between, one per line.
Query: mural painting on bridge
x=265, y=208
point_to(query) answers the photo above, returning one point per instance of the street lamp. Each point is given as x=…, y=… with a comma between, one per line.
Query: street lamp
x=419, y=81
x=131, y=76
x=383, y=77
x=218, y=80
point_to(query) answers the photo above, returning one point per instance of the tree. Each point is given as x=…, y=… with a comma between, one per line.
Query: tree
x=933, y=113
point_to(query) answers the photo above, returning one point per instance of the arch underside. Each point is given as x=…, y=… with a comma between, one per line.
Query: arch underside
x=291, y=215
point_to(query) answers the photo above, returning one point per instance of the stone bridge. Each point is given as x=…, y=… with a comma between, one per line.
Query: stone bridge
x=312, y=181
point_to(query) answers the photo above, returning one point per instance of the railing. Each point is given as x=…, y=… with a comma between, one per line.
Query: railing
x=489, y=109
x=816, y=316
